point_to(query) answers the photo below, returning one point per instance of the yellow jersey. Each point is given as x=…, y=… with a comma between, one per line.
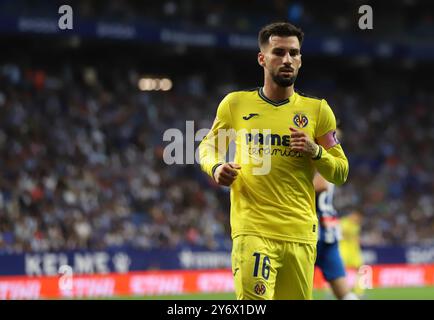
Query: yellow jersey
x=273, y=195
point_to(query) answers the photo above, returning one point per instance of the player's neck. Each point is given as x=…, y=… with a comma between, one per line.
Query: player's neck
x=277, y=93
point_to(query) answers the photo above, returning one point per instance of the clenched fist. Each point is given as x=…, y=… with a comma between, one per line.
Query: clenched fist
x=226, y=173
x=301, y=142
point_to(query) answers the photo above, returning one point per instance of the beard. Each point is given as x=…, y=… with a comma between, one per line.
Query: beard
x=283, y=81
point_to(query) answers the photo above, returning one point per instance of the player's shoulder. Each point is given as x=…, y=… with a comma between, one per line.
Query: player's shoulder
x=240, y=96
x=310, y=102
x=308, y=98
x=244, y=93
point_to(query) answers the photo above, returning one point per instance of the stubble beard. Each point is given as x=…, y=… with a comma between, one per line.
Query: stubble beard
x=284, y=82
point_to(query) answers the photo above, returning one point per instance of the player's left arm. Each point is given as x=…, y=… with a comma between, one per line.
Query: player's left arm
x=319, y=183
x=326, y=151
x=331, y=161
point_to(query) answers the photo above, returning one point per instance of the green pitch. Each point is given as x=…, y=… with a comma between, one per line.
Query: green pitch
x=416, y=293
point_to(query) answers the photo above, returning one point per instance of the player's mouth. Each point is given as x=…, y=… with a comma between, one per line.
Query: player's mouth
x=286, y=74
x=287, y=71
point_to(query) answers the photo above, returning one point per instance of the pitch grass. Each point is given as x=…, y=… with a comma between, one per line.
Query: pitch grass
x=414, y=293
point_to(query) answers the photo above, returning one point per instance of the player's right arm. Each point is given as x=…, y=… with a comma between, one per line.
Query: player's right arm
x=213, y=148
x=226, y=173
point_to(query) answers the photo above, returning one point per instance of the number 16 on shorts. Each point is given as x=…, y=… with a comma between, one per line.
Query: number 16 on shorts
x=265, y=262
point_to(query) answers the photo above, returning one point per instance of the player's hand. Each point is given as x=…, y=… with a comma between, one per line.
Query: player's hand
x=301, y=142
x=226, y=173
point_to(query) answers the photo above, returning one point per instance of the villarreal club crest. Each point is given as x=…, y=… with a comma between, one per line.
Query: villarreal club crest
x=300, y=120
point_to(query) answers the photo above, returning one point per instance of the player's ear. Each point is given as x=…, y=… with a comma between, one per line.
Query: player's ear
x=261, y=59
x=300, y=61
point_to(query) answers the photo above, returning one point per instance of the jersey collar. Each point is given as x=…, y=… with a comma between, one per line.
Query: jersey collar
x=274, y=103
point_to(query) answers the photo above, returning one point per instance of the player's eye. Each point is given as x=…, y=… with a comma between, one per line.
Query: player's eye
x=294, y=53
x=279, y=52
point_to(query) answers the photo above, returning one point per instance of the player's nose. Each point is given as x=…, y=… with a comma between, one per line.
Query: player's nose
x=287, y=59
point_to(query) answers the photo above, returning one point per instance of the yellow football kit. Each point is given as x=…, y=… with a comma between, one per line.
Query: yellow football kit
x=349, y=246
x=273, y=198
x=350, y=249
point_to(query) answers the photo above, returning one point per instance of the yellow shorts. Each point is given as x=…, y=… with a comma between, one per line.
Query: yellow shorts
x=266, y=269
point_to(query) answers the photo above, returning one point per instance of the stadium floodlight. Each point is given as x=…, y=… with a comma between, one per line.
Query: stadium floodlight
x=154, y=84
x=166, y=84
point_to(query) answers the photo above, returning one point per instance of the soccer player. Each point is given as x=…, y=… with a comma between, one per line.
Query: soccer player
x=328, y=258
x=273, y=220
x=349, y=246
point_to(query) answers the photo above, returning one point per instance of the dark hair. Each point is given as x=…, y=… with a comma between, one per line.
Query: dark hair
x=281, y=29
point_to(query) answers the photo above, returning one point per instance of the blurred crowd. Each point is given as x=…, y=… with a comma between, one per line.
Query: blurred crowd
x=81, y=148
x=404, y=17
x=390, y=148
x=82, y=163
x=82, y=168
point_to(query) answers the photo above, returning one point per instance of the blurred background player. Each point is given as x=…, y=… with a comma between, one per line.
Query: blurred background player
x=350, y=247
x=328, y=258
